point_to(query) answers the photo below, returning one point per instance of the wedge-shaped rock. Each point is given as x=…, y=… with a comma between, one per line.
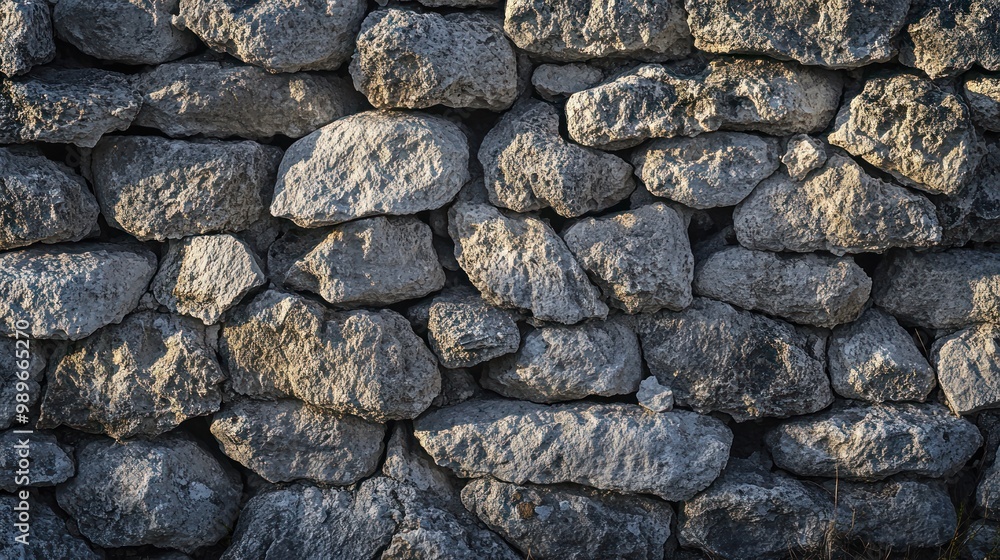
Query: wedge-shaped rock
x=655, y=397
x=945, y=290
x=528, y=166
x=463, y=330
x=171, y=493
x=70, y=291
x=653, y=101
x=25, y=40
x=49, y=536
x=564, y=363
x=672, y=454
x=838, y=208
x=914, y=130
x=718, y=358
x=377, y=162
x=11, y=377
x=555, y=522
x=519, y=261
x=968, y=366
x=365, y=363
x=277, y=35
x=982, y=93
x=947, y=37
x=51, y=463
x=803, y=155
x=807, y=289
x=142, y=377
x=66, y=106
x=641, y=259
x=974, y=213
x=857, y=441
x=417, y=60
x=900, y=513
x=555, y=82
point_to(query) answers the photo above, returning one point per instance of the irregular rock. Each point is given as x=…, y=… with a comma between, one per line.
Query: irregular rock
x=655, y=397
x=988, y=492
x=11, y=373
x=803, y=155
x=520, y=262
x=912, y=129
x=48, y=536
x=365, y=363
x=983, y=539
x=562, y=363
x=672, y=455
x=463, y=330
x=418, y=60
x=839, y=208
x=718, y=358
x=276, y=35
x=874, y=359
x=377, y=162
x=641, y=259
x=856, y=441
x=528, y=166
x=561, y=522
x=219, y=99
x=968, y=366
x=974, y=213
x=50, y=463
x=903, y=513
x=457, y=385
x=70, y=291
x=946, y=37
x=25, y=38
x=375, y=261
x=555, y=82
x=982, y=94
x=707, y=171
x=66, y=106
x=157, y=189
x=142, y=377
x=652, y=101
x=807, y=289
x=946, y=290
x=170, y=493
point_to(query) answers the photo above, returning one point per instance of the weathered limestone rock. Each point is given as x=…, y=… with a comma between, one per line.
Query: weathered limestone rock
x=520, y=262
x=563, y=522
x=170, y=493
x=50, y=462
x=839, y=208
x=874, y=359
x=555, y=82
x=655, y=397
x=912, y=129
x=718, y=358
x=25, y=38
x=968, y=366
x=463, y=330
x=377, y=162
x=899, y=513
x=417, y=60
x=70, y=291
x=982, y=94
x=871, y=442
x=365, y=363
x=142, y=377
x=10, y=375
x=66, y=106
x=641, y=259
x=808, y=289
x=277, y=35
x=974, y=213
x=672, y=455
x=803, y=155
x=945, y=290
x=563, y=363
x=709, y=170
x=528, y=166
x=946, y=37
x=566, y=30
x=49, y=538
x=761, y=95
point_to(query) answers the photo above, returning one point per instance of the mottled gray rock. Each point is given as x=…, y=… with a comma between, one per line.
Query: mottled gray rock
x=655, y=397
x=855, y=441
x=653, y=101
x=157, y=189
x=947, y=37
x=520, y=262
x=982, y=94
x=968, y=366
x=555, y=82
x=204, y=276
x=898, y=513
x=709, y=170
x=839, y=208
x=219, y=99
x=974, y=213
x=275, y=34
x=463, y=330
x=123, y=31
x=911, y=128
x=70, y=291
x=142, y=377
x=641, y=259
x=672, y=455
x=457, y=385
x=528, y=166
x=25, y=37
x=50, y=463
x=11, y=374
x=48, y=537
x=715, y=357
x=66, y=106
x=563, y=363
x=874, y=359
x=803, y=155
x=417, y=60
x=365, y=363
x=564, y=522
x=946, y=290
x=982, y=539
x=171, y=493
x=43, y=202
x=809, y=289
x=988, y=492
x=377, y=162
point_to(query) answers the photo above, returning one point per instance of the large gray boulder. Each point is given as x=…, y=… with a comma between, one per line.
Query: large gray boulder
x=947, y=37
x=25, y=36
x=982, y=94
x=50, y=462
x=968, y=366
x=899, y=513
x=14, y=370
x=463, y=330
x=48, y=534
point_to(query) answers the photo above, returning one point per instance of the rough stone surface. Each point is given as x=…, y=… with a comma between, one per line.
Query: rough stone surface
x=974, y=213
x=803, y=155
x=25, y=36
x=655, y=397
x=10, y=375
x=947, y=37
x=50, y=462
x=968, y=366
x=557, y=81
x=377, y=162
x=463, y=330
x=49, y=538
x=988, y=492
x=899, y=513
x=982, y=94
x=983, y=539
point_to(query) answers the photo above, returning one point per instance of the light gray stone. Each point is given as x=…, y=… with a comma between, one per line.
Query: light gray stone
x=50, y=463
x=48, y=537
x=947, y=37
x=974, y=213
x=555, y=82
x=803, y=155
x=898, y=513
x=982, y=94
x=25, y=36
x=463, y=330
x=12, y=356
x=968, y=366
x=655, y=397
